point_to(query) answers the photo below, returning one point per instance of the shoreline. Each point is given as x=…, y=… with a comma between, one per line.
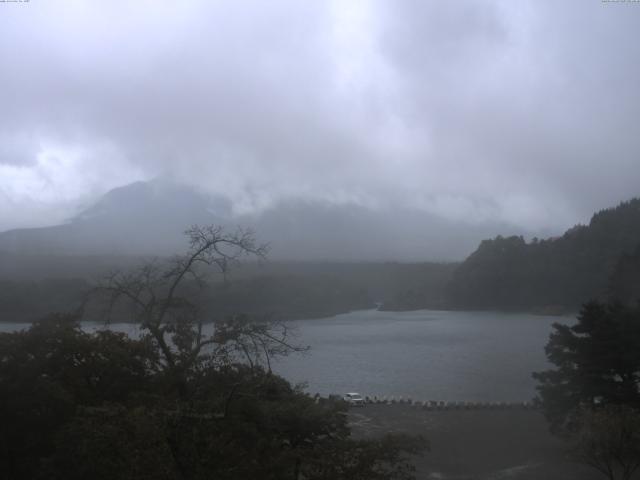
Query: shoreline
x=323, y=316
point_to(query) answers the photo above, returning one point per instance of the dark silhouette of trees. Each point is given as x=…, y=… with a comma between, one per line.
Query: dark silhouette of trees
x=51, y=371
x=75, y=405
x=609, y=441
x=164, y=299
x=162, y=296
x=597, y=363
x=624, y=283
x=592, y=397
x=553, y=274
x=175, y=403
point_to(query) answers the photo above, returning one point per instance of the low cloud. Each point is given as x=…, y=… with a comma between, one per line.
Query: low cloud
x=513, y=112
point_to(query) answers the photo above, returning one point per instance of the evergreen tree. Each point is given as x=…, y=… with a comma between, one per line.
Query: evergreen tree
x=597, y=363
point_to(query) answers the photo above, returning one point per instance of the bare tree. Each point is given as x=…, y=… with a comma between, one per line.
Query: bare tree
x=161, y=298
x=609, y=441
x=256, y=342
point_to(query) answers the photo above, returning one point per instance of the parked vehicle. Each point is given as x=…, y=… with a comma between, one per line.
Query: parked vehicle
x=354, y=399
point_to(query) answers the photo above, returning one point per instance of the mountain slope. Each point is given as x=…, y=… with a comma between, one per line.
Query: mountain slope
x=149, y=218
x=140, y=218
x=561, y=273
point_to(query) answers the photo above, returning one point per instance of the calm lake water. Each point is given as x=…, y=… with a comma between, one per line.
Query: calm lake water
x=425, y=355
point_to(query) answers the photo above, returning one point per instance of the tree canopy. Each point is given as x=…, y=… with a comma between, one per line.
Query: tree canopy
x=608, y=440
x=508, y=272
x=597, y=362
x=174, y=403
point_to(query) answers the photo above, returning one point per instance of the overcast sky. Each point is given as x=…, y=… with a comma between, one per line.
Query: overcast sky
x=514, y=111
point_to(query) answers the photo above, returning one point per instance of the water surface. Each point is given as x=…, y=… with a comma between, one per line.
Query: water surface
x=437, y=355
x=426, y=354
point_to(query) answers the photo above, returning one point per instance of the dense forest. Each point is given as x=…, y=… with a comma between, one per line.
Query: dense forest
x=557, y=274
x=174, y=403
x=78, y=405
x=624, y=284
x=285, y=290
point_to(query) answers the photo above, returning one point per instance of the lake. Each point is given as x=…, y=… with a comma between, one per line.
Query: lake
x=425, y=354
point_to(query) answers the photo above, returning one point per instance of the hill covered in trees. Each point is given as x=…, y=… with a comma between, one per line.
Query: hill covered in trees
x=624, y=284
x=557, y=274
x=32, y=286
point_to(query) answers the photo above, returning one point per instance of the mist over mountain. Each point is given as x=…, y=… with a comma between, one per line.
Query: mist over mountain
x=148, y=218
x=139, y=218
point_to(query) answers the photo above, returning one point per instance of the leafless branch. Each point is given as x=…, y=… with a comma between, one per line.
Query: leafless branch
x=155, y=293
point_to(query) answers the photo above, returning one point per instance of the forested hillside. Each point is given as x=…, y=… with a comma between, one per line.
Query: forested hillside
x=555, y=274
x=624, y=284
x=31, y=287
